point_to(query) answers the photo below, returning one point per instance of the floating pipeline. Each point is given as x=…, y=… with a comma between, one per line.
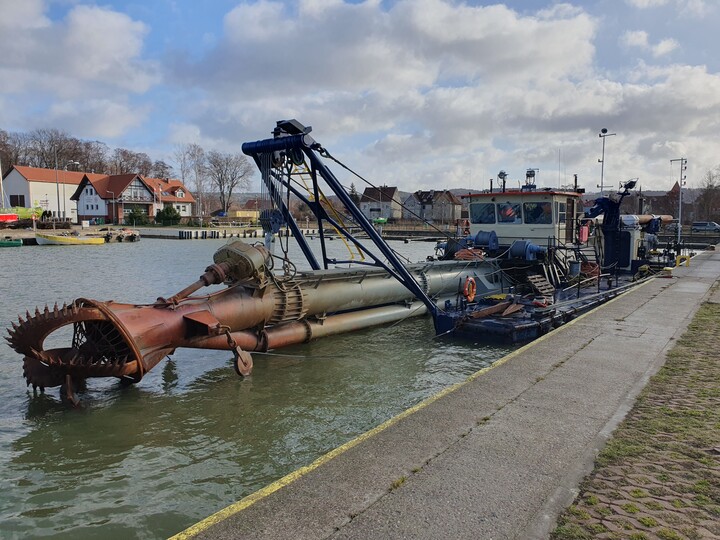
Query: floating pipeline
x=256, y=311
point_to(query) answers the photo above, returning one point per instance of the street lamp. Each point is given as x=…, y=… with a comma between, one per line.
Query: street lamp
x=71, y=162
x=683, y=168
x=113, y=205
x=603, y=133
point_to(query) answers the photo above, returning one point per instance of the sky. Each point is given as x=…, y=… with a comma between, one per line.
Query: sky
x=419, y=94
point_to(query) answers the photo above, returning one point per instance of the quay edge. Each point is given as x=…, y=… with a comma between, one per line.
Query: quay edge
x=498, y=456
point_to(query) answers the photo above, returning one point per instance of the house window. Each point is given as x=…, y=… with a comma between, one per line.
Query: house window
x=17, y=200
x=184, y=207
x=180, y=194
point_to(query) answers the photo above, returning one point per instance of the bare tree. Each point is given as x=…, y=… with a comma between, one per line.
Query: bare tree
x=93, y=157
x=160, y=169
x=125, y=161
x=50, y=147
x=192, y=162
x=708, y=203
x=182, y=163
x=228, y=172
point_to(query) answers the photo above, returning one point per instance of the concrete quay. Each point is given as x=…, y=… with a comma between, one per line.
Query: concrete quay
x=497, y=456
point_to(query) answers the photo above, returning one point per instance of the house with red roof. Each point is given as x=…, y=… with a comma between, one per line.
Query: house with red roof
x=49, y=189
x=81, y=196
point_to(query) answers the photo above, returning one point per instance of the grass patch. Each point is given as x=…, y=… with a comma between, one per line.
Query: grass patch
x=648, y=521
x=663, y=440
x=397, y=483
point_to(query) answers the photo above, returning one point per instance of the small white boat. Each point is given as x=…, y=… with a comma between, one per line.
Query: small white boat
x=44, y=239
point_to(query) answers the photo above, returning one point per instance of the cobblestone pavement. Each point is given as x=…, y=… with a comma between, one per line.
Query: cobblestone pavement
x=658, y=477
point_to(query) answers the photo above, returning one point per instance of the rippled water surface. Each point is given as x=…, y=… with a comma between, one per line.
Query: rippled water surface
x=191, y=437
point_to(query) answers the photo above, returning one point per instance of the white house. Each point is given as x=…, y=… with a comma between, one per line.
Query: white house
x=114, y=197
x=382, y=202
x=49, y=189
x=80, y=196
x=433, y=206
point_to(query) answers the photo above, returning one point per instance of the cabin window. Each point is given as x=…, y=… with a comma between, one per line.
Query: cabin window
x=509, y=212
x=483, y=213
x=561, y=212
x=538, y=213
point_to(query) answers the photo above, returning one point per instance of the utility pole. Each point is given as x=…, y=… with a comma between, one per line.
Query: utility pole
x=681, y=181
x=603, y=133
x=57, y=187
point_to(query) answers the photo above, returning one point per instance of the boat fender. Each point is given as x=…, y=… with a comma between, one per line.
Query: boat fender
x=470, y=289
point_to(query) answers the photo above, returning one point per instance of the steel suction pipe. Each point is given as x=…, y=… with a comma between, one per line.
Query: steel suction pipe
x=294, y=333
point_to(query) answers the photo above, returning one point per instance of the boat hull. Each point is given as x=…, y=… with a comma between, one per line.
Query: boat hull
x=11, y=243
x=60, y=240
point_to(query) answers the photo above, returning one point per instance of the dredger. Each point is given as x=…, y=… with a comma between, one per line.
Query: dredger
x=260, y=307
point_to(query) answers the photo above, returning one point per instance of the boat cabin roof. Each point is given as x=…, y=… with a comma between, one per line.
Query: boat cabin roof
x=522, y=194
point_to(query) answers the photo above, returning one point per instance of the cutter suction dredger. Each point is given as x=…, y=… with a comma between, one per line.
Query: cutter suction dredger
x=263, y=305
x=257, y=311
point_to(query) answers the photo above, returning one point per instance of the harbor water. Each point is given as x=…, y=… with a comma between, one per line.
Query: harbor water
x=148, y=460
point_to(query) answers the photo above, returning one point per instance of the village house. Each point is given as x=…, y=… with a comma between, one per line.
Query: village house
x=433, y=206
x=79, y=196
x=382, y=202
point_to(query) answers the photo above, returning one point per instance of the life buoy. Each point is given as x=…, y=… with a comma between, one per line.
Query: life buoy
x=470, y=289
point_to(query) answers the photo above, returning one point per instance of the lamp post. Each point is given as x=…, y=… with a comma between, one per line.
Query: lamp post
x=57, y=187
x=681, y=181
x=603, y=133
x=71, y=162
x=113, y=205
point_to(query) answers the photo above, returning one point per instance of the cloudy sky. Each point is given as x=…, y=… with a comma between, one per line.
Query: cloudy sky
x=415, y=93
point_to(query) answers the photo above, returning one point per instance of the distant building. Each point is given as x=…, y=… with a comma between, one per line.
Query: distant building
x=382, y=202
x=49, y=189
x=250, y=210
x=113, y=197
x=78, y=196
x=433, y=206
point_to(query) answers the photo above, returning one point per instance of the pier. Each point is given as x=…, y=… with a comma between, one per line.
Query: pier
x=500, y=455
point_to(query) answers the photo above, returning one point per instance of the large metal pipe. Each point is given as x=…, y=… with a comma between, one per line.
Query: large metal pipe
x=257, y=312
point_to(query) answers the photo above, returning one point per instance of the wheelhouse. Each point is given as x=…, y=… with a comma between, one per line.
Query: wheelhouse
x=539, y=216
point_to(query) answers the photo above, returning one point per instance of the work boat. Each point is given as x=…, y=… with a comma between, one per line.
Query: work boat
x=267, y=303
x=574, y=260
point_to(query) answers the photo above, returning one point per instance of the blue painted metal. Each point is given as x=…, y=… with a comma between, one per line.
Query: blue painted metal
x=290, y=139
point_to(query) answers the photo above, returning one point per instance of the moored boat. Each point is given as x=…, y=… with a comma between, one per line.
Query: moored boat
x=8, y=217
x=10, y=242
x=46, y=239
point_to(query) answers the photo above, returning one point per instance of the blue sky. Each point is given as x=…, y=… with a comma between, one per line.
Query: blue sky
x=415, y=93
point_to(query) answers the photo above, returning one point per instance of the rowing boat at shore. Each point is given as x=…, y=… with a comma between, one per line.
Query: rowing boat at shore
x=44, y=239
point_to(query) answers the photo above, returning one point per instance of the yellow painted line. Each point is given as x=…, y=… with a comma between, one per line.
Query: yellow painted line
x=251, y=499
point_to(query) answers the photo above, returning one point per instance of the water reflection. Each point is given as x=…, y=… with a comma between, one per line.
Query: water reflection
x=148, y=460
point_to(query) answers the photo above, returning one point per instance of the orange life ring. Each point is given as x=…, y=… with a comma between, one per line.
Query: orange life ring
x=470, y=289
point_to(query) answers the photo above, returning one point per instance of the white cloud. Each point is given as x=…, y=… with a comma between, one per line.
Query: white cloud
x=23, y=14
x=640, y=39
x=636, y=38
x=92, y=57
x=644, y=4
x=693, y=8
x=664, y=47
x=96, y=118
